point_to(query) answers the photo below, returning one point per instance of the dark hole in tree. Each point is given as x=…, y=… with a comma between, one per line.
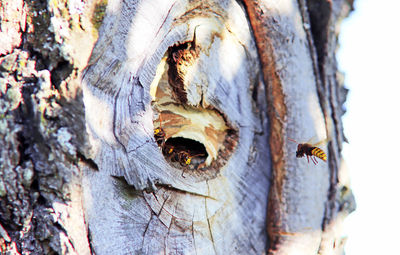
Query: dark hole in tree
x=61, y=72
x=41, y=200
x=179, y=145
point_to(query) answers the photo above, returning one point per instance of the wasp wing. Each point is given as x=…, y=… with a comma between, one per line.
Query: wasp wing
x=322, y=142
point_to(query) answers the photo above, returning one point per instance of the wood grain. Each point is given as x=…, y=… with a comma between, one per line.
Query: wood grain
x=218, y=210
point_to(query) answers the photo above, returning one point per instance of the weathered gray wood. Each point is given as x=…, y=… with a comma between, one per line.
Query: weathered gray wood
x=201, y=213
x=303, y=212
x=240, y=92
x=306, y=186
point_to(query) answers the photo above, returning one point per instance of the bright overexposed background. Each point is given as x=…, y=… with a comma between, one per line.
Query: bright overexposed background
x=369, y=56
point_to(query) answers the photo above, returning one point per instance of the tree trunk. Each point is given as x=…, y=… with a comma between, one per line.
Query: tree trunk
x=175, y=137
x=43, y=49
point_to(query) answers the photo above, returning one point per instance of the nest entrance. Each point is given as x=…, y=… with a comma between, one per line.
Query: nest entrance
x=179, y=149
x=190, y=133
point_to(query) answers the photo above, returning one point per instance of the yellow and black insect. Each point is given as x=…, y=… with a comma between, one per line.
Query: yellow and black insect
x=309, y=150
x=183, y=157
x=168, y=150
x=159, y=134
x=179, y=154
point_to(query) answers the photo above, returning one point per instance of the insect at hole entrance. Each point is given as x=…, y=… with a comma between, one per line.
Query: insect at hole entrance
x=184, y=152
x=190, y=132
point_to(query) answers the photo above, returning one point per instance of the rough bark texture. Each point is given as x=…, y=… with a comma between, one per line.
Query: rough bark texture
x=85, y=169
x=43, y=49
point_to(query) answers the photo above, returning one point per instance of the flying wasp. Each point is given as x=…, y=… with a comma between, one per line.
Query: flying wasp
x=309, y=150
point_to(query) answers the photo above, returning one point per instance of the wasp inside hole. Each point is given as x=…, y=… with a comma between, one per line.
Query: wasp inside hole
x=187, y=152
x=310, y=150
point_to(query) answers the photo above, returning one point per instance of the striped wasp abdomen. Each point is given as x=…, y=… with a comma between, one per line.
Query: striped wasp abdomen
x=311, y=151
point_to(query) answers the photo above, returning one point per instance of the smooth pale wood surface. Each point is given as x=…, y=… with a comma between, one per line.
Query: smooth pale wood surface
x=157, y=210
x=305, y=207
x=306, y=187
x=299, y=189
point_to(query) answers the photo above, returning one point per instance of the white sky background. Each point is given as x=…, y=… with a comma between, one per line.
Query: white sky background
x=369, y=56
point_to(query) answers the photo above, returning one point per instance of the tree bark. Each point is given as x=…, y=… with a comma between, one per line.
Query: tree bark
x=170, y=134
x=43, y=49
